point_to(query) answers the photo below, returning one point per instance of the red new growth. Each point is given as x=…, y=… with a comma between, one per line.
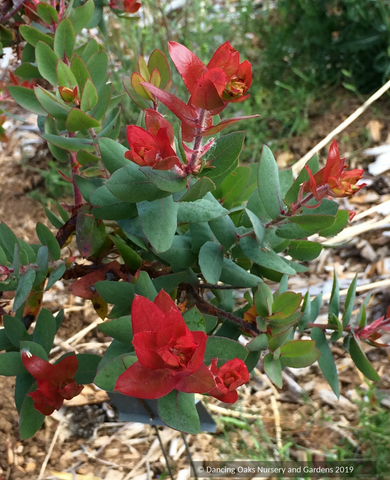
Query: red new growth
x=55, y=383
x=227, y=379
x=154, y=147
x=129, y=6
x=169, y=355
x=224, y=79
x=332, y=180
x=370, y=333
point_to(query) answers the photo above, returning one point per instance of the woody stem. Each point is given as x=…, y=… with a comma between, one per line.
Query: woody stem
x=197, y=142
x=12, y=12
x=221, y=313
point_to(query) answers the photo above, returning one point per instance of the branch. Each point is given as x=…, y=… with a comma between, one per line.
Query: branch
x=12, y=12
x=219, y=287
x=221, y=313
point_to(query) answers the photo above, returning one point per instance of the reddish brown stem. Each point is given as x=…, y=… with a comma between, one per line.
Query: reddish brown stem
x=12, y=12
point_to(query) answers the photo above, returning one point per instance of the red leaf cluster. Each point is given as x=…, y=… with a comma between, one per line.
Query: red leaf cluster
x=55, y=383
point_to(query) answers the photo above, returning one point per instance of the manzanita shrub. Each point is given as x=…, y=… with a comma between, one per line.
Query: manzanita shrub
x=163, y=228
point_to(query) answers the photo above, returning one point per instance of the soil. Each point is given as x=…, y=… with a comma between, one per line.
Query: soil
x=84, y=445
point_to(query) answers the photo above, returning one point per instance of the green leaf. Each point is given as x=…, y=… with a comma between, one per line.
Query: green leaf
x=89, y=96
x=64, y=39
x=30, y=419
x=304, y=250
x=47, y=13
x=303, y=176
x=5, y=343
x=258, y=343
x=80, y=71
x=296, y=348
x=200, y=234
x=278, y=339
x=268, y=258
x=178, y=411
x=194, y=320
x=301, y=361
x=268, y=183
x=28, y=71
x=108, y=373
x=211, y=261
x=306, y=309
x=130, y=257
x=114, y=350
x=65, y=76
x=224, y=230
x=224, y=349
x=78, y=120
x=49, y=240
x=326, y=360
x=119, y=328
x=159, y=222
x=258, y=226
x=198, y=190
x=361, y=361
x=3, y=257
x=97, y=66
x=81, y=16
x=233, y=187
x=180, y=255
x=287, y=303
x=158, y=61
x=86, y=51
x=85, y=157
x=342, y=218
x=165, y=180
x=45, y=329
x=145, y=287
x=88, y=185
x=25, y=97
x=32, y=35
x=313, y=223
x=58, y=153
x=234, y=275
x=121, y=293
x=86, y=370
x=42, y=264
x=264, y=300
x=71, y=144
x=15, y=330
x=131, y=185
x=349, y=301
x=290, y=231
x=90, y=233
x=201, y=210
x=54, y=107
x=11, y=364
x=113, y=156
x=8, y=240
x=24, y=288
x=273, y=369
x=224, y=156
x=55, y=275
x=169, y=282
x=334, y=302
x=47, y=62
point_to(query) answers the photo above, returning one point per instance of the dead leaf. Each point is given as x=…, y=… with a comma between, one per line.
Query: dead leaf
x=284, y=159
x=375, y=128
